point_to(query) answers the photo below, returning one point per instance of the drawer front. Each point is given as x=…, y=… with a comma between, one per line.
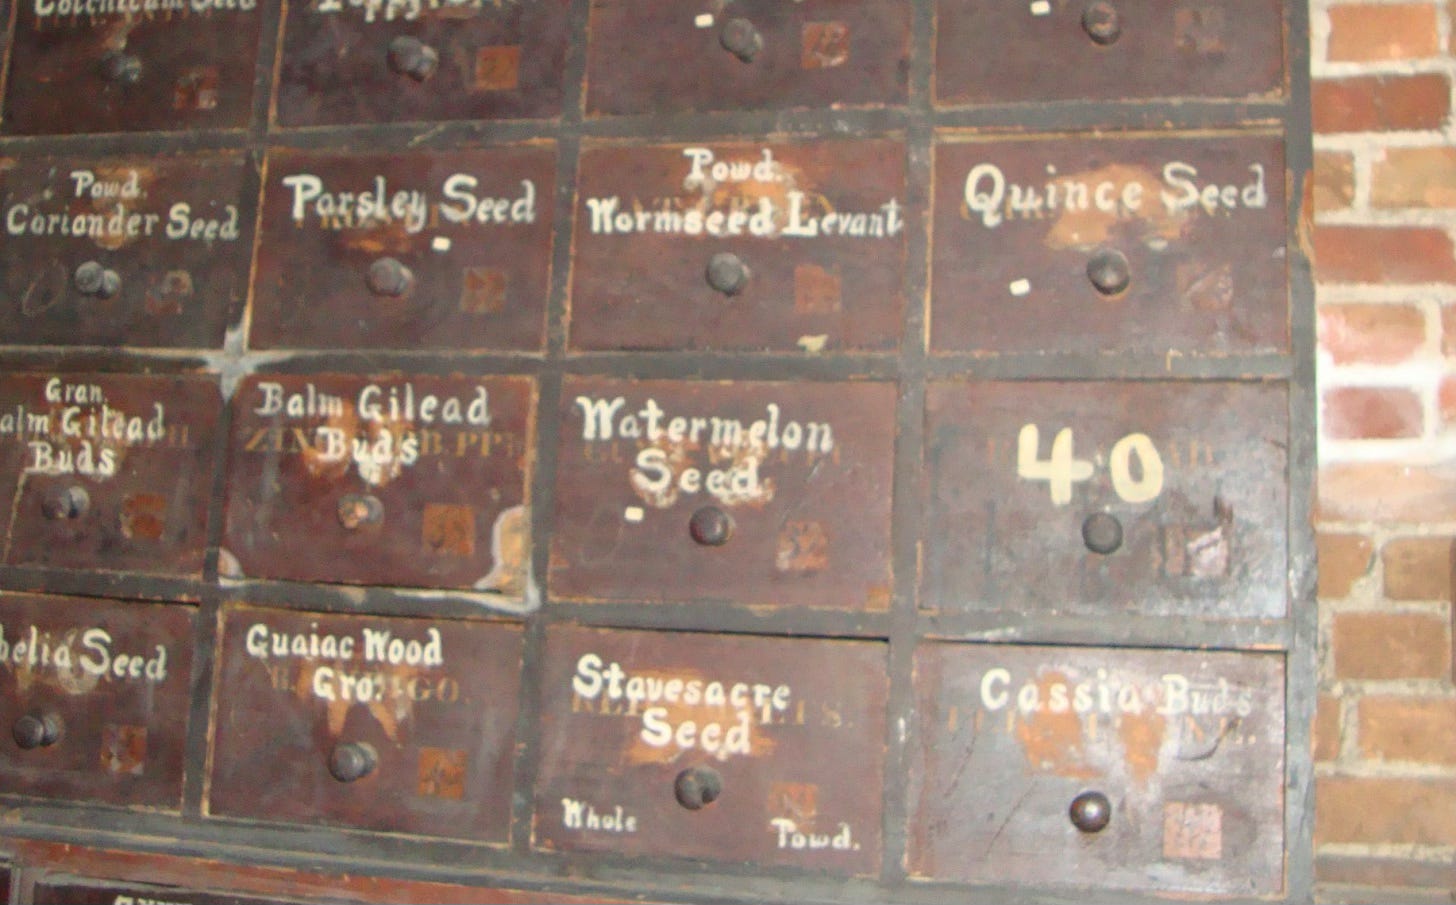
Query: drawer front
x=95, y=694
x=1097, y=499
x=736, y=749
x=96, y=67
x=347, y=62
x=1110, y=245
x=1108, y=50
x=407, y=251
x=782, y=247
x=399, y=725
x=409, y=481
x=108, y=472
x=136, y=252
x=1157, y=770
x=661, y=56
x=81, y=891
x=769, y=494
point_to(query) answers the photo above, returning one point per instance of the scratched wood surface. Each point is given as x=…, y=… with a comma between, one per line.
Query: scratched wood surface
x=793, y=728
x=1187, y=746
x=139, y=448
x=437, y=701
x=176, y=230
x=1200, y=223
x=1006, y=523
x=118, y=675
x=473, y=228
x=451, y=489
x=1039, y=51
x=802, y=470
x=814, y=284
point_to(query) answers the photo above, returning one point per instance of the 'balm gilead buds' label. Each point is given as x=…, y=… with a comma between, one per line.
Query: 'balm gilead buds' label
x=776, y=743
x=107, y=472
x=439, y=250
x=106, y=686
x=405, y=480
x=771, y=494
x=736, y=245
x=435, y=701
x=149, y=252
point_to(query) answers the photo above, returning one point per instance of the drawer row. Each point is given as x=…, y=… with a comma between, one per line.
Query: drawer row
x=1094, y=245
x=1080, y=498
x=1133, y=769
x=194, y=64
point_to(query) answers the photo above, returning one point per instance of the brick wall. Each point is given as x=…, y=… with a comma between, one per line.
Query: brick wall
x=1385, y=218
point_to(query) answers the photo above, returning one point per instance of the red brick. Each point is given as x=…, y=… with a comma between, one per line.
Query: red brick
x=1371, y=334
x=1414, y=177
x=1334, y=181
x=1418, y=568
x=1327, y=728
x=1343, y=559
x=1375, y=254
x=1360, y=34
x=1378, y=103
x=1372, y=413
x=1446, y=398
x=1448, y=331
x=1387, y=492
x=1386, y=872
x=1375, y=811
x=1390, y=646
x=1417, y=730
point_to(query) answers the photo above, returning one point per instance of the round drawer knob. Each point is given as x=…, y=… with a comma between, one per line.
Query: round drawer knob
x=38, y=730
x=66, y=503
x=741, y=39
x=412, y=57
x=387, y=276
x=121, y=68
x=351, y=761
x=711, y=526
x=1102, y=533
x=91, y=278
x=697, y=787
x=1109, y=272
x=359, y=509
x=1090, y=812
x=727, y=273
x=1101, y=22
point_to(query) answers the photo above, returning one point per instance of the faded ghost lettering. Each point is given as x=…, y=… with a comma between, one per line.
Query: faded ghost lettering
x=993, y=199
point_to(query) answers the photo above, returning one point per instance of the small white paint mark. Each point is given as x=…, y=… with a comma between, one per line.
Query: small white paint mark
x=904, y=730
x=704, y=20
x=633, y=514
x=1041, y=7
x=1020, y=287
x=440, y=243
x=813, y=343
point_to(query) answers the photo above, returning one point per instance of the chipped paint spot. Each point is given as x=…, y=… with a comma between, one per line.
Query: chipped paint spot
x=704, y=20
x=1020, y=287
x=510, y=553
x=633, y=514
x=440, y=244
x=1041, y=8
x=814, y=344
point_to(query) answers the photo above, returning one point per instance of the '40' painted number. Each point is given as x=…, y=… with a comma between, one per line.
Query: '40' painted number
x=1062, y=469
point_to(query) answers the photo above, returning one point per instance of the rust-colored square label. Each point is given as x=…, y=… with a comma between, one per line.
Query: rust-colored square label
x=98, y=66
x=664, y=56
x=147, y=252
x=744, y=246
x=107, y=472
x=1051, y=50
x=345, y=62
x=766, y=494
x=731, y=749
x=1156, y=498
x=1151, y=245
x=110, y=681
x=1149, y=770
x=413, y=481
x=414, y=251
x=433, y=703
